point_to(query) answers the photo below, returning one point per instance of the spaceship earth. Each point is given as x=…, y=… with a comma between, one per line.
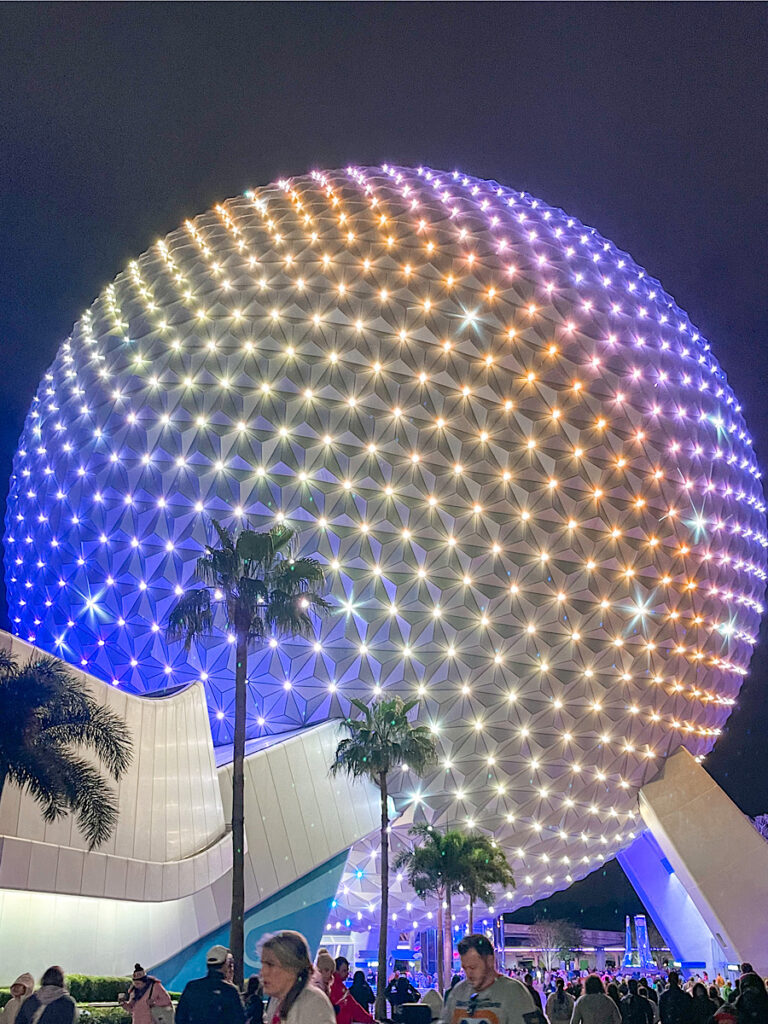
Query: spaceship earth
x=523, y=467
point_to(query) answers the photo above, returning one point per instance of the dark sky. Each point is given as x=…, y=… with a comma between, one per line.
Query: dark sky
x=647, y=121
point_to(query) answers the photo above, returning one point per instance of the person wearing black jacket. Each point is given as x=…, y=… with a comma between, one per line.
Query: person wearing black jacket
x=212, y=999
x=528, y=982
x=635, y=1009
x=51, y=1004
x=675, y=1006
x=361, y=991
x=400, y=991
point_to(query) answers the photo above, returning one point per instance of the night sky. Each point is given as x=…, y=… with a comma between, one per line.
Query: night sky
x=647, y=121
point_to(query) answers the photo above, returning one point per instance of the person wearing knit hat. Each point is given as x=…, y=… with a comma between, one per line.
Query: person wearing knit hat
x=21, y=989
x=145, y=995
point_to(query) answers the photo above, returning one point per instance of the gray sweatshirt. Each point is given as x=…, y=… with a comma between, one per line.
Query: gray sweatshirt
x=506, y=1001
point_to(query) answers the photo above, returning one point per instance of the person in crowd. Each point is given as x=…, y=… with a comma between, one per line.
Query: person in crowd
x=714, y=995
x=725, y=1014
x=645, y=993
x=612, y=990
x=675, y=1006
x=727, y=990
x=634, y=1008
x=575, y=988
x=347, y=1008
x=254, y=1001
x=361, y=991
x=21, y=989
x=286, y=972
x=703, y=1007
x=652, y=996
x=486, y=992
x=454, y=982
x=145, y=993
x=212, y=999
x=325, y=965
x=528, y=982
x=50, y=1004
x=560, y=1004
x=752, y=1001
x=398, y=992
x=595, y=1007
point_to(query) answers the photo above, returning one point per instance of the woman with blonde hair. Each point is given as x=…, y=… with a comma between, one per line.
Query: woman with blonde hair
x=286, y=971
x=325, y=965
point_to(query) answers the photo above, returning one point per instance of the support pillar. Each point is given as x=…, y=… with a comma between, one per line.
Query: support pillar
x=711, y=854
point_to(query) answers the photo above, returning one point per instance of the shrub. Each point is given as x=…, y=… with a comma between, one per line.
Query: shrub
x=5, y=995
x=104, y=1015
x=86, y=989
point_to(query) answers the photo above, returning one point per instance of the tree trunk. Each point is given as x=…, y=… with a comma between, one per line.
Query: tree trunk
x=440, y=944
x=471, y=917
x=381, y=969
x=237, y=925
x=449, y=937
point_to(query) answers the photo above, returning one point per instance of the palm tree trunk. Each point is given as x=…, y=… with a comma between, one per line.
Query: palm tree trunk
x=381, y=969
x=237, y=926
x=449, y=937
x=471, y=917
x=440, y=944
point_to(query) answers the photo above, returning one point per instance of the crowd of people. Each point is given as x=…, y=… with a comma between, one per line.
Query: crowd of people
x=293, y=989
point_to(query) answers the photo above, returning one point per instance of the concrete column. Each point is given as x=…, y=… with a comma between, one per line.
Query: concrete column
x=714, y=854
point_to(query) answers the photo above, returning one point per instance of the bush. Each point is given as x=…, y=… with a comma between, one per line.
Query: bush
x=5, y=995
x=86, y=989
x=104, y=1015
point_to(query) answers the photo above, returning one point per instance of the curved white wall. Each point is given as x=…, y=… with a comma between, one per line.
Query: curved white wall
x=164, y=879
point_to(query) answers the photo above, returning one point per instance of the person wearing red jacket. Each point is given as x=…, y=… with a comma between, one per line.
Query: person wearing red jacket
x=348, y=1010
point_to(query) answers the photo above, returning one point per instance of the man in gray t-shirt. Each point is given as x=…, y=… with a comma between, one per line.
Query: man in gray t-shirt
x=487, y=997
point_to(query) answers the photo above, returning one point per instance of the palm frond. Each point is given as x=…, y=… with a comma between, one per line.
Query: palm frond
x=103, y=731
x=383, y=739
x=226, y=539
x=255, y=551
x=7, y=662
x=217, y=568
x=282, y=537
x=191, y=618
x=297, y=575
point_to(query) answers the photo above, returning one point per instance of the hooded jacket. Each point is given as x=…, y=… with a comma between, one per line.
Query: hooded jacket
x=11, y=1009
x=57, y=1004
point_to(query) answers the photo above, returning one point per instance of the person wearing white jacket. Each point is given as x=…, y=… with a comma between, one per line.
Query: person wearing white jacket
x=286, y=971
x=23, y=987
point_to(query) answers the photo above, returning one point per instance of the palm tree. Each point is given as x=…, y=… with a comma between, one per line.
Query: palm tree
x=48, y=721
x=265, y=591
x=438, y=863
x=381, y=740
x=486, y=866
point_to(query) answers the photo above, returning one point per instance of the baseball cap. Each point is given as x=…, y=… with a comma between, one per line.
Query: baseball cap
x=217, y=956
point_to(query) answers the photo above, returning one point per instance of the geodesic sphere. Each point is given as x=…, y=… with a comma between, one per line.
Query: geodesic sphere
x=524, y=469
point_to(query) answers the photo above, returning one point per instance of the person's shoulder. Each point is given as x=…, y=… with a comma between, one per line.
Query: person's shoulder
x=312, y=996
x=511, y=981
x=513, y=988
x=460, y=989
